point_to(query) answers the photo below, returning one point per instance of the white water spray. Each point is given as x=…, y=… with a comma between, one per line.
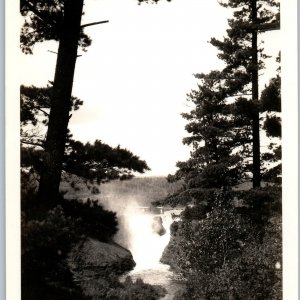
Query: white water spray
x=137, y=234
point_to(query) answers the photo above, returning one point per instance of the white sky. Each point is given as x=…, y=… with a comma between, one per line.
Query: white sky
x=135, y=76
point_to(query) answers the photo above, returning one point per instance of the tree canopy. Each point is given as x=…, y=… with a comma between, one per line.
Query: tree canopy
x=224, y=121
x=58, y=20
x=43, y=21
x=96, y=161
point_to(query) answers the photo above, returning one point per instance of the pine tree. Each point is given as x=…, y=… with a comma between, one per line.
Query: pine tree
x=240, y=51
x=58, y=20
x=222, y=241
x=218, y=128
x=93, y=162
x=227, y=103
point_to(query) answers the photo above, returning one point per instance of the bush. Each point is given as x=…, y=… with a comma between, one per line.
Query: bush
x=111, y=288
x=227, y=255
x=47, y=236
x=91, y=218
x=45, y=245
x=135, y=291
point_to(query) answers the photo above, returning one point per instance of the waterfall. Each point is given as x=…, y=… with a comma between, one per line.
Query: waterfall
x=138, y=235
x=146, y=245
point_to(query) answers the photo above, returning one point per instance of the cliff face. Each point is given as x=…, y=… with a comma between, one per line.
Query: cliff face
x=172, y=254
x=93, y=263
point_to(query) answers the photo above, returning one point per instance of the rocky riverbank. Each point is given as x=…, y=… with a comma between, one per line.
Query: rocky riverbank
x=97, y=266
x=94, y=264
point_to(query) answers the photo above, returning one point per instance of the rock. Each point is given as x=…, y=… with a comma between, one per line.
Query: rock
x=94, y=259
x=173, y=252
x=157, y=226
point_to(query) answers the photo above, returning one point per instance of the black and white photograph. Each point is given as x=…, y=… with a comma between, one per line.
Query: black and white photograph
x=153, y=156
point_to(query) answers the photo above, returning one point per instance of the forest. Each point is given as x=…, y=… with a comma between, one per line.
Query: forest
x=227, y=241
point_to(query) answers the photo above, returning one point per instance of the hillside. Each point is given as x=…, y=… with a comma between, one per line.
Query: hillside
x=117, y=194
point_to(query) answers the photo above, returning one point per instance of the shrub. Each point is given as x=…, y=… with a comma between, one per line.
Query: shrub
x=45, y=245
x=135, y=291
x=227, y=255
x=91, y=218
x=47, y=236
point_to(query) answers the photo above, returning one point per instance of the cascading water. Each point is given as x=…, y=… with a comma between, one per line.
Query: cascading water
x=139, y=235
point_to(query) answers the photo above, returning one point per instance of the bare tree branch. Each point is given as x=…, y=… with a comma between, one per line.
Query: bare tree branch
x=32, y=143
x=266, y=27
x=52, y=51
x=94, y=23
x=47, y=114
x=240, y=95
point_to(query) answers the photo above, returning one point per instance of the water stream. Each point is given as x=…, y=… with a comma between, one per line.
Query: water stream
x=147, y=246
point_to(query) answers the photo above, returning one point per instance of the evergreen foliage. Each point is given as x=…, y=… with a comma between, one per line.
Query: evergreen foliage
x=97, y=162
x=222, y=124
x=91, y=219
x=271, y=106
x=100, y=162
x=34, y=113
x=44, y=22
x=35, y=102
x=217, y=128
x=228, y=240
x=271, y=96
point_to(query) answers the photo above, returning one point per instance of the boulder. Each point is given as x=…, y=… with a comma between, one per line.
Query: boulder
x=94, y=259
x=157, y=226
x=172, y=253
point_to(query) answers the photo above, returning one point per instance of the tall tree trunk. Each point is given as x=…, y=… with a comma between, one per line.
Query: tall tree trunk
x=255, y=122
x=61, y=101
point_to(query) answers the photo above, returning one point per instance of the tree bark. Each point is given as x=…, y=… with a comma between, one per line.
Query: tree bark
x=60, y=101
x=256, y=180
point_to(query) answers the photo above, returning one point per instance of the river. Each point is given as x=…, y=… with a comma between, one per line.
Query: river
x=147, y=247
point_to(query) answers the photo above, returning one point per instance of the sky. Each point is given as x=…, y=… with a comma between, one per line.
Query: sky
x=135, y=76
